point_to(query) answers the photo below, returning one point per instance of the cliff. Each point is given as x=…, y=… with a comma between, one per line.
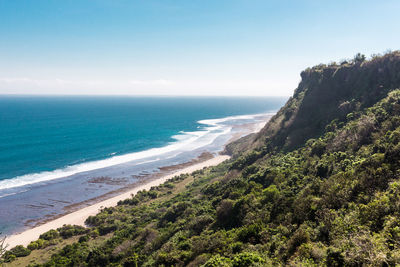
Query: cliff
x=318, y=186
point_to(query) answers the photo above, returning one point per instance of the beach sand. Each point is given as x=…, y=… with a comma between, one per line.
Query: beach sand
x=78, y=217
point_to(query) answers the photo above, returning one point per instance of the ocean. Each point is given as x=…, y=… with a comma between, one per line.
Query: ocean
x=52, y=148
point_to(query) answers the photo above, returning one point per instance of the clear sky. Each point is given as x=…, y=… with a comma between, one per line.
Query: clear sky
x=183, y=47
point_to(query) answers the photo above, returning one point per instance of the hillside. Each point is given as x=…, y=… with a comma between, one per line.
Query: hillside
x=327, y=93
x=318, y=186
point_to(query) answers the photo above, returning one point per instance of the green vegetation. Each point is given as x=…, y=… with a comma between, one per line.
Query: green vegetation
x=318, y=186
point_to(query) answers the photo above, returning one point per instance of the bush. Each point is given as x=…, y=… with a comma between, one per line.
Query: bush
x=250, y=233
x=50, y=235
x=33, y=245
x=169, y=185
x=225, y=212
x=198, y=224
x=83, y=238
x=246, y=160
x=129, y=201
x=94, y=233
x=71, y=230
x=271, y=193
x=334, y=258
x=132, y=261
x=106, y=228
x=153, y=194
x=247, y=259
x=318, y=148
x=9, y=257
x=175, y=211
x=298, y=238
x=218, y=261
x=19, y=251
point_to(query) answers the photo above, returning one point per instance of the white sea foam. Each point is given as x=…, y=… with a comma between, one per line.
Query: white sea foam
x=185, y=141
x=14, y=193
x=215, y=122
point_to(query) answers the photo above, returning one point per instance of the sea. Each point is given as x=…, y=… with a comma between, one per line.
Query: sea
x=59, y=151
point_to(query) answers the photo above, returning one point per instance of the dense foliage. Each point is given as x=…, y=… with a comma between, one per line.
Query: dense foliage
x=326, y=93
x=323, y=189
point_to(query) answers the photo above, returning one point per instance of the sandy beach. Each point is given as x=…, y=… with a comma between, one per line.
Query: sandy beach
x=78, y=217
x=77, y=213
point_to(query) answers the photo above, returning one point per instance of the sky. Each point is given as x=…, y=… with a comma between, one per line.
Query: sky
x=181, y=47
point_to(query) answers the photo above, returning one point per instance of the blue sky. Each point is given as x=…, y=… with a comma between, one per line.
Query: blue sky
x=199, y=47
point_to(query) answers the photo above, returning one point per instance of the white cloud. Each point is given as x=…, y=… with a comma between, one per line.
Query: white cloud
x=27, y=85
x=154, y=82
x=85, y=83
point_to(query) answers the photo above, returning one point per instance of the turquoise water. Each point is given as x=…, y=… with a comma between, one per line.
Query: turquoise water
x=47, y=133
x=50, y=144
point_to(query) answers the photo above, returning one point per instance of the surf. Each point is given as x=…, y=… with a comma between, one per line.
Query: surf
x=209, y=130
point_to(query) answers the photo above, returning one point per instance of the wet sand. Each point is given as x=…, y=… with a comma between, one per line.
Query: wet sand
x=77, y=213
x=78, y=217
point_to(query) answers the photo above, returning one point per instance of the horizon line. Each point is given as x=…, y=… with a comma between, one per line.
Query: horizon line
x=135, y=95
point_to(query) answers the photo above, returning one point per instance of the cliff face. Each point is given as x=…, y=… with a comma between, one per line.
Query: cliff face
x=328, y=93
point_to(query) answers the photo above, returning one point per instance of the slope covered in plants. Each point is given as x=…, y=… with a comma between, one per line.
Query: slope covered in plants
x=326, y=93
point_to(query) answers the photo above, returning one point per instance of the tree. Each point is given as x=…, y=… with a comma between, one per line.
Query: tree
x=3, y=246
x=359, y=58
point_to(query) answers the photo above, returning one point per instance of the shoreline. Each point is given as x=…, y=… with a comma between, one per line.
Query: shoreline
x=142, y=180
x=79, y=216
x=77, y=213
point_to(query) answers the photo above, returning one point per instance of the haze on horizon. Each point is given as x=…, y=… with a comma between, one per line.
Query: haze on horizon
x=227, y=47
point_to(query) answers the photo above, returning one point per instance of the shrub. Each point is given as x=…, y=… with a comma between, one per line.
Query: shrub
x=236, y=247
x=249, y=170
x=129, y=201
x=33, y=245
x=169, y=185
x=318, y=148
x=218, y=261
x=132, y=261
x=94, y=232
x=271, y=193
x=250, y=233
x=298, y=238
x=198, y=224
x=175, y=211
x=153, y=194
x=50, y=235
x=9, y=257
x=246, y=259
x=83, y=238
x=106, y=228
x=225, y=212
x=334, y=257
x=71, y=230
x=246, y=160
x=20, y=251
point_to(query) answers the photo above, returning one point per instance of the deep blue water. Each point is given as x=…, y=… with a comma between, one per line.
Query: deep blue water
x=47, y=133
x=53, y=150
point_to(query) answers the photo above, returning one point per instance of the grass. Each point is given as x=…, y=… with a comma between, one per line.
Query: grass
x=43, y=255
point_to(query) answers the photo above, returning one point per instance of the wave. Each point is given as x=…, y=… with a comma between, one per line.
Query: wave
x=184, y=141
x=251, y=117
x=13, y=193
